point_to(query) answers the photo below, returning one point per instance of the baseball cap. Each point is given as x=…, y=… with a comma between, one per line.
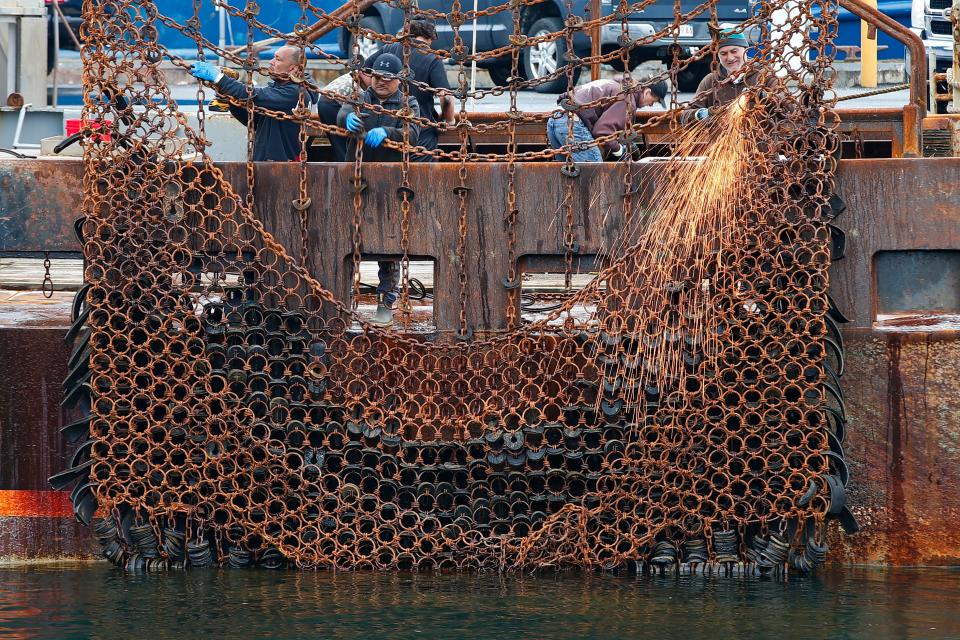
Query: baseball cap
x=387, y=65
x=730, y=38
x=659, y=89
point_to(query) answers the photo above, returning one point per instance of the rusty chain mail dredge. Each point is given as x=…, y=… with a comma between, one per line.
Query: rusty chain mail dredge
x=692, y=418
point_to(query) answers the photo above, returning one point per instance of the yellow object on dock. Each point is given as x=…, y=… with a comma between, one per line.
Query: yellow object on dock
x=868, y=51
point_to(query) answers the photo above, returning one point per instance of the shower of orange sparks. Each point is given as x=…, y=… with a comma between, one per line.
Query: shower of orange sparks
x=692, y=220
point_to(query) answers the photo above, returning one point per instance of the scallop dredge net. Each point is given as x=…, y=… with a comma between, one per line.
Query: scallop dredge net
x=237, y=413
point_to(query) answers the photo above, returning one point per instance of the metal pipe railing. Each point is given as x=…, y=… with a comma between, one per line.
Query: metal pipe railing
x=913, y=112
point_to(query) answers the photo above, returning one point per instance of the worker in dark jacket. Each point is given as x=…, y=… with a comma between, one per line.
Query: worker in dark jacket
x=375, y=127
x=275, y=139
x=384, y=91
x=428, y=69
x=724, y=85
x=590, y=123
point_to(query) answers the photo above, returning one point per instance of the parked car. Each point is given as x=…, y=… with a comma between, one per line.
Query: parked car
x=548, y=16
x=930, y=19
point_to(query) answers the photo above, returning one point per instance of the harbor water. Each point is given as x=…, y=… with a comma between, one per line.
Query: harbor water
x=97, y=601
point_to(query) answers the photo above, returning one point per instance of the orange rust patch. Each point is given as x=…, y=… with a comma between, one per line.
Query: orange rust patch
x=35, y=504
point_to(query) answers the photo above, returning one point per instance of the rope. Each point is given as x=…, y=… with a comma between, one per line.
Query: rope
x=876, y=92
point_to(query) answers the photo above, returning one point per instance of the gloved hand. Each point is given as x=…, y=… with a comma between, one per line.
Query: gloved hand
x=354, y=123
x=618, y=152
x=375, y=137
x=97, y=97
x=702, y=113
x=205, y=71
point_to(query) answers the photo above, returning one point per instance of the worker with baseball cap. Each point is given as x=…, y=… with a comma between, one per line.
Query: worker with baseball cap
x=613, y=111
x=374, y=126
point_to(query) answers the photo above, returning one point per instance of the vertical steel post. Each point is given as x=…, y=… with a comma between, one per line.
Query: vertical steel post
x=56, y=55
x=868, y=50
x=954, y=106
x=222, y=40
x=595, y=39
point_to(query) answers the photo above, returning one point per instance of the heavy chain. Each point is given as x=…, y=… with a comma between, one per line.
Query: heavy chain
x=405, y=192
x=512, y=280
x=303, y=202
x=47, y=286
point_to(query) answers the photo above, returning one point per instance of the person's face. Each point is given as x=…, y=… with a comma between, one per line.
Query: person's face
x=364, y=79
x=731, y=57
x=284, y=60
x=647, y=98
x=385, y=87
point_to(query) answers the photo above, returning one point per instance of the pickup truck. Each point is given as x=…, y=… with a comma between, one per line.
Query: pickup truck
x=930, y=19
x=548, y=16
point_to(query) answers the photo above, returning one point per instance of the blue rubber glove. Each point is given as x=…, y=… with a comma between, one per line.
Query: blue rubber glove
x=97, y=97
x=354, y=123
x=205, y=71
x=375, y=137
x=702, y=113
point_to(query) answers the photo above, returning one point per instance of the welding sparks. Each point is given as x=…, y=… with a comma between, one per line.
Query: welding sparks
x=693, y=221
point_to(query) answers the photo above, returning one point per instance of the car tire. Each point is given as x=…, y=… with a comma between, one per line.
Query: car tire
x=545, y=58
x=367, y=46
x=689, y=77
x=500, y=74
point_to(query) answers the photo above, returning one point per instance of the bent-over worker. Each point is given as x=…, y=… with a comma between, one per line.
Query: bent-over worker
x=595, y=122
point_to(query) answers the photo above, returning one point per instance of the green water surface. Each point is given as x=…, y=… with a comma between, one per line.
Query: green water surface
x=96, y=601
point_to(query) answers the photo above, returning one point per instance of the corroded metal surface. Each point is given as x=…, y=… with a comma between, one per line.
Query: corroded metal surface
x=902, y=391
x=33, y=367
x=892, y=205
x=39, y=200
x=35, y=523
x=903, y=447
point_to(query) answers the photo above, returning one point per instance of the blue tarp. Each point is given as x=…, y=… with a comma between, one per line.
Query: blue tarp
x=849, y=28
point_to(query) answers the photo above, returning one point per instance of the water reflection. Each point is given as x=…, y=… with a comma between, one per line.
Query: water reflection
x=99, y=602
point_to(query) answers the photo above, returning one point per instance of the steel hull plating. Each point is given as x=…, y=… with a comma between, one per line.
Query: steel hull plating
x=900, y=382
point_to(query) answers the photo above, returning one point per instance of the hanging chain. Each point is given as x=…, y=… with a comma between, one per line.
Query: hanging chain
x=405, y=191
x=251, y=10
x=303, y=201
x=461, y=190
x=570, y=168
x=47, y=280
x=358, y=181
x=194, y=23
x=512, y=282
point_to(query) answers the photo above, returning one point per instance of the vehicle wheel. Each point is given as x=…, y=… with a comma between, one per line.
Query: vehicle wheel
x=368, y=46
x=689, y=77
x=500, y=74
x=545, y=58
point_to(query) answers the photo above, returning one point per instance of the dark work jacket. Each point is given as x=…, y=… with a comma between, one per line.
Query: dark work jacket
x=277, y=140
x=372, y=120
x=716, y=90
